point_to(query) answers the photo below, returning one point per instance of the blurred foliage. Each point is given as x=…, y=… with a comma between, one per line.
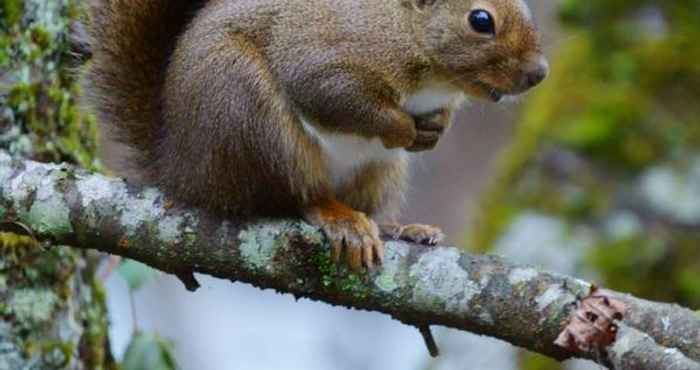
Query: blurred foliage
x=532, y=361
x=610, y=144
x=149, y=352
x=136, y=274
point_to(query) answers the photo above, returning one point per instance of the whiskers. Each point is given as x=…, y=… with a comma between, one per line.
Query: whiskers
x=557, y=42
x=513, y=99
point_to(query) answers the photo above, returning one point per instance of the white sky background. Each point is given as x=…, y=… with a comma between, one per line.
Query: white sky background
x=228, y=326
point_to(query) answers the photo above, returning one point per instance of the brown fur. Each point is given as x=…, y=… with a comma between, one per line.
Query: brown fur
x=209, y=93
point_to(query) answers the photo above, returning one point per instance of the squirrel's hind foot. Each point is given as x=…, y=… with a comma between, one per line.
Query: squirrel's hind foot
x=414, y=233
x=350, y=232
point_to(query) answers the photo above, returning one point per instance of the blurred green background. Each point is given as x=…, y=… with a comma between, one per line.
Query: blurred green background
x=607, y=153
x=610, y=148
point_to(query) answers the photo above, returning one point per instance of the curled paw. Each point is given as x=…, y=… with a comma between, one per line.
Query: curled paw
x=429, y=130
x=414, y=233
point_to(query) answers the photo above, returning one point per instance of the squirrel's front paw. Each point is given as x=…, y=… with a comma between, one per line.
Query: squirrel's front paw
x=414, y=233
x=429, y=128
x=349, y=232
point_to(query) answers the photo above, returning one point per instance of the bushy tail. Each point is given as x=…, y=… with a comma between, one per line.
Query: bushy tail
x=131, y=42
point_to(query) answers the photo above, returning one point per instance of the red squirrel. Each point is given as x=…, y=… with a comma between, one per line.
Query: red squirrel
x=308, y=108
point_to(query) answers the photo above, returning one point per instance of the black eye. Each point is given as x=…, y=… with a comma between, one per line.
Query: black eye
x=482, y=22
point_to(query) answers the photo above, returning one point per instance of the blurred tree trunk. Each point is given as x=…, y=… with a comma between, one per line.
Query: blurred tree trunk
x=52, y=308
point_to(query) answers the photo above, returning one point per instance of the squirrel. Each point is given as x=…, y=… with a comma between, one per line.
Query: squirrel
x=306, y=108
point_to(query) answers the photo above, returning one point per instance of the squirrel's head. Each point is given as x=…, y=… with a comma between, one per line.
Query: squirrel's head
x=488, y=48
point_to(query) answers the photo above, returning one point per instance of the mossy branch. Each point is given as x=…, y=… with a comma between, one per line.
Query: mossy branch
x=418, y=286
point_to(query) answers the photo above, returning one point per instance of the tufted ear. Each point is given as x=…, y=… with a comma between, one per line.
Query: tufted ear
x=419, y=4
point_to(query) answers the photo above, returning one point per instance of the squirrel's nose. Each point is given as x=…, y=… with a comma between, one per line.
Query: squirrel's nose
x=538, y=73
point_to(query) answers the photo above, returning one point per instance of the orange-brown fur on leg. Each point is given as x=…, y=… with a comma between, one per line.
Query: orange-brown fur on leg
x=378, y=190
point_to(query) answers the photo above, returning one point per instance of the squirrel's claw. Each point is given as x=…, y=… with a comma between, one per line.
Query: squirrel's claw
x=414, y=233
x=350, y=232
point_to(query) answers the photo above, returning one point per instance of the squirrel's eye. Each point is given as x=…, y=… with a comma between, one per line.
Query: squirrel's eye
x=481, y=21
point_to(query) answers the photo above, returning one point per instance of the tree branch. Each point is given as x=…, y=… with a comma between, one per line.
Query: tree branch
x=418, y=286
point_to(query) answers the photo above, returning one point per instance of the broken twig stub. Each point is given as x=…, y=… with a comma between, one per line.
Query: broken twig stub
x=592, y=326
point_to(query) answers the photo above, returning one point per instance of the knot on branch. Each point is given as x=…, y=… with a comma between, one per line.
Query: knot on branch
x=593, y=324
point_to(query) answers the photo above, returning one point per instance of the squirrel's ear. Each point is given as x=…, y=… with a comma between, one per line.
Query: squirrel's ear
x=418, y=4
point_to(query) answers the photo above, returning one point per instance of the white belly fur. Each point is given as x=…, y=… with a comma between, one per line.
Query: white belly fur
x=345, y=154
x=431, y=97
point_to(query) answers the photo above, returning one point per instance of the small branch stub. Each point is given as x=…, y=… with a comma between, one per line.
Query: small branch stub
x=188, y=280
x=593, y=324
x=429, y=340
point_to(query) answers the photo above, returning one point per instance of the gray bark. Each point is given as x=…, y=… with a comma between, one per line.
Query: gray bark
x=635, y=350
x=419, y=286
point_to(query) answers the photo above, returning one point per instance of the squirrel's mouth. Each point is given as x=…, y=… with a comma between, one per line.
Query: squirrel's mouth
x=493, y=93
